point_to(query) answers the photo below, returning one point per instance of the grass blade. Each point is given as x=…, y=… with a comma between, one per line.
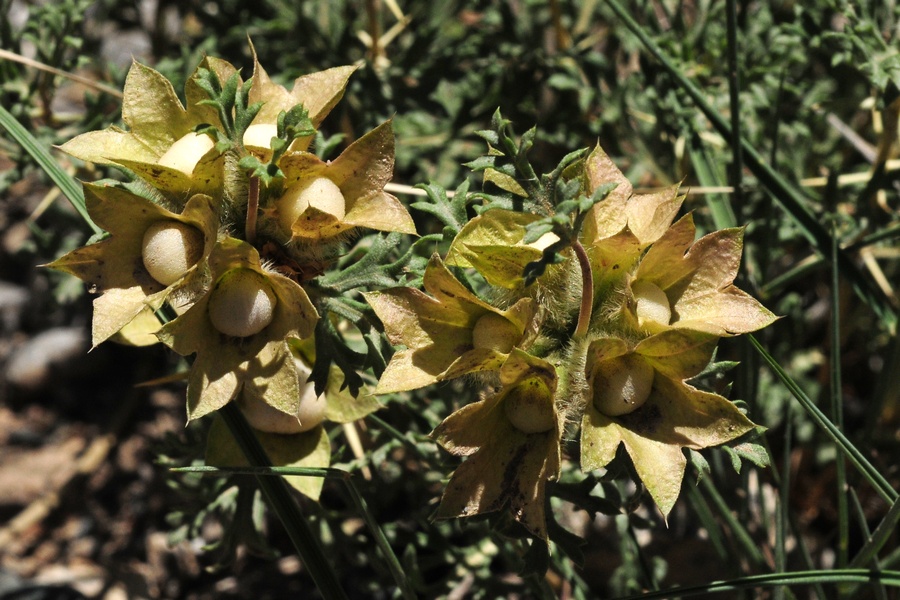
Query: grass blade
x=782, y=506
x=812, y=263
x=837, y=409
x=719, y=206
x=69, y=187
x=768, y=580
x=734, y=92
x=879, y=592
x=879, y=537
x=707, y=520
x=871, y=474
x=749, y=548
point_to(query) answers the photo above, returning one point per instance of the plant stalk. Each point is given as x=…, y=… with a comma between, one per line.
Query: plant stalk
x=587, y=291
x=734, y=101
x=252, y=210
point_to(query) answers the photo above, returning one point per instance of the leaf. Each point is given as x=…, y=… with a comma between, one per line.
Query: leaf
x=608, y=217
x=331, y=349
x=678, y=353
x=699, y=462
x=321, y=91
x=140, y=331
x=493, y=243
x=369, y=272
x=115, y=310
x=103, y=146
x=450, y=212
x=755, y=453
x=343, y=406
x=502, y=180
x=152, y=110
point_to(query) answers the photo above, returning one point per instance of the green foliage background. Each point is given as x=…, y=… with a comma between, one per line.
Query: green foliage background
x=817, y=96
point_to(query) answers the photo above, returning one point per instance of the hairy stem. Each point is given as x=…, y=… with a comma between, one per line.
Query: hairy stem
x=252, y=209
x=587, y=291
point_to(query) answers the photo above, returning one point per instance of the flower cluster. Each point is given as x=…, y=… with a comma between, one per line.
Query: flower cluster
x=226, y=220
x=588, y=312
x=596, y=312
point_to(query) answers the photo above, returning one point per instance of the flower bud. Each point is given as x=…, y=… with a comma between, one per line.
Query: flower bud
x=529, y=406
x=319, y=192
x=186, y=152
x=651, y=305
x=622, y=384
x=242, y=303
x=169, y=249
x=495, y=332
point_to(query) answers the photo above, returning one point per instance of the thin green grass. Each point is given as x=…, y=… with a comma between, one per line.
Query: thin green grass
x=854, y=455
x=70, y=188
x=837, y=408
x=774, y=580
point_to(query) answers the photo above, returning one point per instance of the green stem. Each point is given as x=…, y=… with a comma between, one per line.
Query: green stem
x=768, y=580
x=587, y=291
x=734, y=90
x=837, y=411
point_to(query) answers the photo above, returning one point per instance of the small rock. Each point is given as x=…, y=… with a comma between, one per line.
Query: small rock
x=32, y=365
x=126, y=45
x=13, y=300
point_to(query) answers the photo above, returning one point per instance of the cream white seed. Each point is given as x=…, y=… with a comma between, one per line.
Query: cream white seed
x=320, y=193
x=259, y=136
x=242, y=303
x=651, y=305
x=495, y=332
x=529, y=406
x=186, y=152
x=169, y=248
x=264, y=417
x=622, y=384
